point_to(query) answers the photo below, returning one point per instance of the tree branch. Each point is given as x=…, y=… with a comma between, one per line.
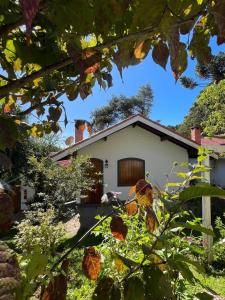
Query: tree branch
x=37, y=105
x=19, y=83
x=16, y=84
x=5, y=29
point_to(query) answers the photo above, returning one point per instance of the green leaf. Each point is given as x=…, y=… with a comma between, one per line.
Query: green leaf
x=8, y=133
x=195, y=227
x=54, y=113
x=197, y=249
x=37, y=264
x=72, y=91
x=10, y=51
x=199, y=190
x=145, y=17
x=157, y=284
x=179, y=61
x=134, y=289
x=170, y=205
x=199, y=45
x=183, y=268
x=204, y=296
x=219, y=19
x=185, y=259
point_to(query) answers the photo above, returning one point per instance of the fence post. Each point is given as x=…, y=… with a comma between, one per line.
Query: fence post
x=206, y=215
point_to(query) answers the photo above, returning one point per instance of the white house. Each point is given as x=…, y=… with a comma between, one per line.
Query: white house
x=127, y=151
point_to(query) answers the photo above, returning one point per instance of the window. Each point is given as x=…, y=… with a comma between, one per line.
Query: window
x=130, y=170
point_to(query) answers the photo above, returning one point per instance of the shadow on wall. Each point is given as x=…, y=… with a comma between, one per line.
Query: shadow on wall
x=217, y=208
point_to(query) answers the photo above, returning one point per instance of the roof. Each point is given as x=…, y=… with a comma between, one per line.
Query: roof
x=136, y=120
x=213, y=141
x=64, y=163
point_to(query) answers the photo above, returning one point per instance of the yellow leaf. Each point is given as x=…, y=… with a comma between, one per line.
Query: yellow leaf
x=141, y=49
x=156, y=260
x=143, y=200
x=151, y=220
x=132, y=190
x=36, y=131
x=37, y=81
x=18, y=122
x=119, y=265
x=17, y=65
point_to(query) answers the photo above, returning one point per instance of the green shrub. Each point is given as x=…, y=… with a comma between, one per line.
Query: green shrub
x=55, y=185
x=39, y=230
x=219, y=246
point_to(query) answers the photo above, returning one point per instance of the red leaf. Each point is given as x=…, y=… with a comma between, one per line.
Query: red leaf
x=118, y=228
x=69, y=140
x=57, y=288
x=29, y=9
x=160, y=54
x=7, y=108
x=92, y=69
x=142, y=185
x=91, y=263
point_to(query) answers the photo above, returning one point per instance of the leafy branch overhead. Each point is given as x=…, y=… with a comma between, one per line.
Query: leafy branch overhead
x=49, y=49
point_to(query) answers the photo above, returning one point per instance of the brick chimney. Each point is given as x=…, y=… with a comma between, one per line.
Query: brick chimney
x=196, y=134
x=79, y=130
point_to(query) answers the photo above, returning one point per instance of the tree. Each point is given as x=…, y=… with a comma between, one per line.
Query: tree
x=16, y=158
x=56, y=185
x=122, y=107
x=208, y=111
x=212, y=72
x=66, y=49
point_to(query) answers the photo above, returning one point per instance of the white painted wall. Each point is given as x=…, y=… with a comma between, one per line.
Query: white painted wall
x=219, y=172
x=26, y=193
x=139, y=143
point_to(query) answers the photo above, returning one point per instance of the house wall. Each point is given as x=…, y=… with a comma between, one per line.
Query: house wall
x=219, y=172
x=139, y=143
x=26, y=193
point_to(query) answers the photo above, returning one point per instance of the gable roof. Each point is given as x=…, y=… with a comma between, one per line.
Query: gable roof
x=136, y=120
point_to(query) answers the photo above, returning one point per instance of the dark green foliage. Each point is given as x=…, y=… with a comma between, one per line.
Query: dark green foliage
x=134, y=289
x=44, y=176
x=19, y=155
x=158, y=286
x=122, y=107
x=211, y=72
x=208, y=111
x=106, y=289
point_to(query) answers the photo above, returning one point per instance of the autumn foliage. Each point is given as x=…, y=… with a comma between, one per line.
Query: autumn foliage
x=118, y=228
x=85, y=39
x=91, y=263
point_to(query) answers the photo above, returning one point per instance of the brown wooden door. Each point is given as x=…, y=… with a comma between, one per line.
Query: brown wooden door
x=97, y=174
x=16, y=197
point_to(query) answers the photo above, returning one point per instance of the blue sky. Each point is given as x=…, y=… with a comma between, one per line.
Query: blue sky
x=171, y=100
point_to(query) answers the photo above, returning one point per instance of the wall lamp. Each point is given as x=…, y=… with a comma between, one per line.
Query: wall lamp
x=106, y=164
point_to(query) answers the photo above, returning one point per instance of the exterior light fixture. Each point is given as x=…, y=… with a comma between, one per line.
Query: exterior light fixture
x=106, y=164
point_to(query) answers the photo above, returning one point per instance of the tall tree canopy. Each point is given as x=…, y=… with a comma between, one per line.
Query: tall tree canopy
x=122, y=107
x=51, y=47
x=212, y=72
x=208, y=111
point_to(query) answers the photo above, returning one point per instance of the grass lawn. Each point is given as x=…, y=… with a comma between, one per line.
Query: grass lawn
x=215, y=283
